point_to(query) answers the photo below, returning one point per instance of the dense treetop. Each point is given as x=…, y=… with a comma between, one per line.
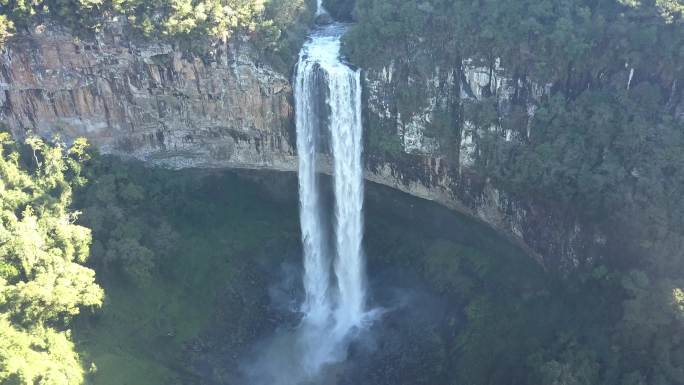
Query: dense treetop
x=546, y=40
x=43, y=282
x=274, y=25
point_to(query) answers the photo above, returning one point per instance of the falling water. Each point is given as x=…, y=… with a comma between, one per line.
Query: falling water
x=346, y=131
x=316, y=262
x=330, y=313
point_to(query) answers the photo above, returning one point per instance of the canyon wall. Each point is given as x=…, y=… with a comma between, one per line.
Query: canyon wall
x=558, y=239
x=148, y=100
x=155, y=102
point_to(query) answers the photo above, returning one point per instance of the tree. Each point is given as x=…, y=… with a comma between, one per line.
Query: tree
x=43, y=282
x=6, y=28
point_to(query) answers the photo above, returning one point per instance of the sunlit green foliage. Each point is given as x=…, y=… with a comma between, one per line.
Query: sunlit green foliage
x=184, y=17
x=275, y=26
x=6, y=28
x=29, y=355
x=43, y=282
x=168, y=17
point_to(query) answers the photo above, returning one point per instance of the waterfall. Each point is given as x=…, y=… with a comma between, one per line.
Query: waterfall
x=331, y=312
x=346, y=131
x=319, y=8
x=316, y=262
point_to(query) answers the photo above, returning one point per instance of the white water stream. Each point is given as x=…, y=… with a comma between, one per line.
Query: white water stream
x=333, y=308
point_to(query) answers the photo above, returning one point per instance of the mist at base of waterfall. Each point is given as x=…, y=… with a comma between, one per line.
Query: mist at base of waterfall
x=412, y=248
x=282, y=357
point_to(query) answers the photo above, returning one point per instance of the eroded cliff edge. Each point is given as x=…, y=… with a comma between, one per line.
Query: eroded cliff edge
x=156, y=102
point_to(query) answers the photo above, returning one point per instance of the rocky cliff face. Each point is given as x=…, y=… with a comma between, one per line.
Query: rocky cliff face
x=154, y=102
x=149, y=101
x=555, y=238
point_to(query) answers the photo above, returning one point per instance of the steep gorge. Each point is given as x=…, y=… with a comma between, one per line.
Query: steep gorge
x=225, y=109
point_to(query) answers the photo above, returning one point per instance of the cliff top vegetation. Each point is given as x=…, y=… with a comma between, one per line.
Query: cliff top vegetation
x=275, y=27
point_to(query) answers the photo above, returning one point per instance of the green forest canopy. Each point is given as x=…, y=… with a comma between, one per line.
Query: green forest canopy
x=274, y=25
x=607, y=137
x=168, y=17
x=43, y=282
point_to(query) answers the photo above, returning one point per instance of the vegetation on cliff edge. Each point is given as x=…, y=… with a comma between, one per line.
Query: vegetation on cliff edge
x=274, y=26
